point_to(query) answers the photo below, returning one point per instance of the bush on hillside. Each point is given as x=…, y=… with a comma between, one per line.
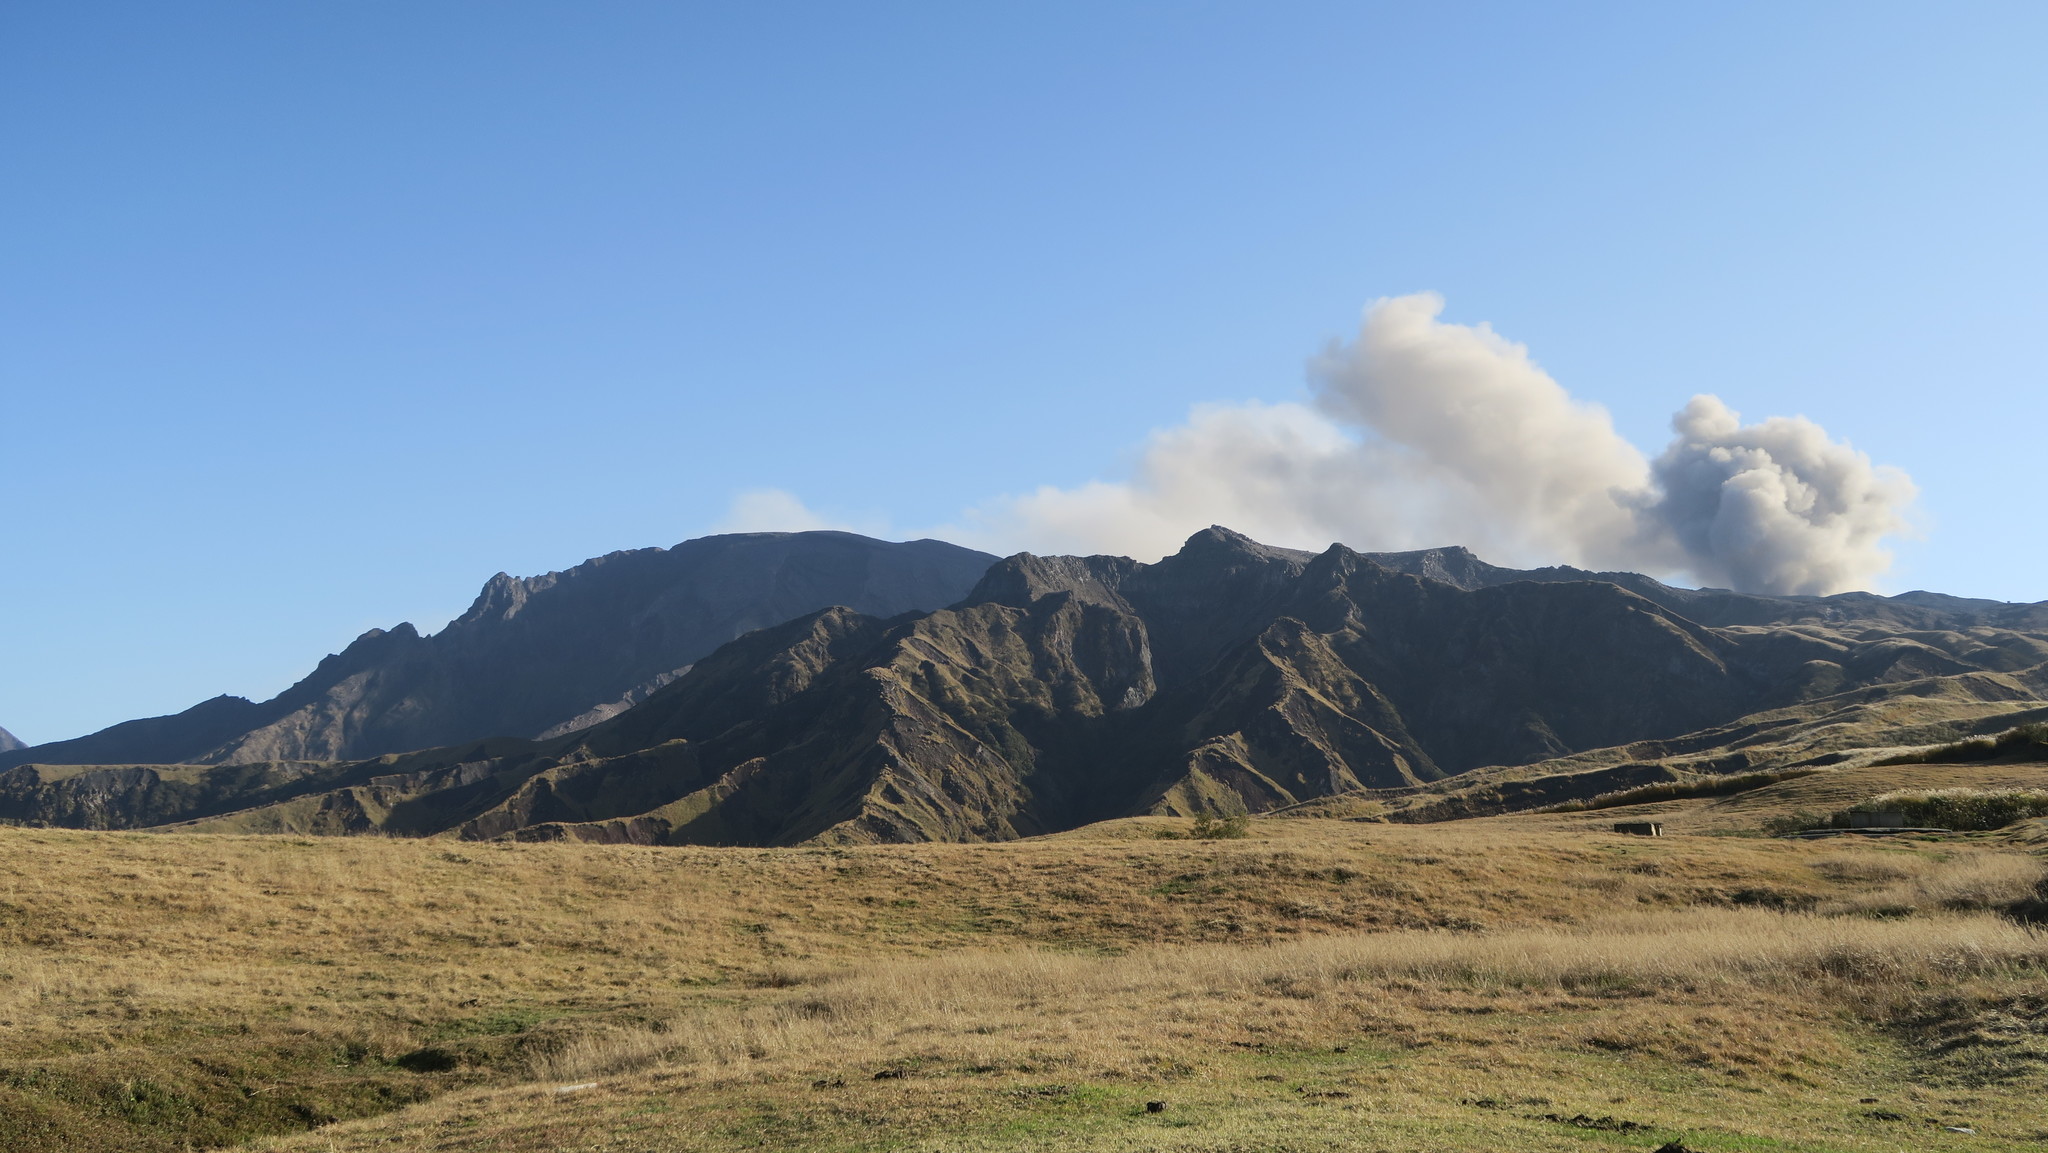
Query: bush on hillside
x=1210, y=827
x=1796, y=821
x=1963, y=810
x=1686, y=789
x=2024, y=742
x=1960, y=809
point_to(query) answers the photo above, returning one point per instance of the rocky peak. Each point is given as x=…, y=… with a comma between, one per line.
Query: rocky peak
x=1219, y=545
x=1019, y=580
x=1218, y=564
x=9, y=742
x=374, y=645
x=500, y=599
x=1454, y=565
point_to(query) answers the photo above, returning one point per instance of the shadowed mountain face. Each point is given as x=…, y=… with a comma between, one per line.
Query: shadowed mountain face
x=552, y=652
x=1064, y=690
x=9, y=742
x=1912, y=610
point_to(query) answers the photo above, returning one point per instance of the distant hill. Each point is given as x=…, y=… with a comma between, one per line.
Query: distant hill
x=9, y=742
x=544, y=653
x=1065, y=690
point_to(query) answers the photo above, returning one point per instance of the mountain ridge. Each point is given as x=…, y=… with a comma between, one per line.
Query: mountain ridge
x=532, y=654
x=1058, y=691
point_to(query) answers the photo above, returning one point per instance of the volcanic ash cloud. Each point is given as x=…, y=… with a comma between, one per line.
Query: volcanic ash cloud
x=1423, y=433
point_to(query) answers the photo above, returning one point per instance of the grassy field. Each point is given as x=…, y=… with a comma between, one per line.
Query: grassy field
x=1524, y=982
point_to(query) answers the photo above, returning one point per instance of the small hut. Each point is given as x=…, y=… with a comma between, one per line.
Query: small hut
x=1640, y=828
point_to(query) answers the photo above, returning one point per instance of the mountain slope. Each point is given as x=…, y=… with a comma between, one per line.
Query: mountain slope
x=1721, y=607
x=553, y=652
x=9, y=742
x=1065, y=690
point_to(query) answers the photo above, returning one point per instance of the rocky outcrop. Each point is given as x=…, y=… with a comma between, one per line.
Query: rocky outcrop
x=544, y=654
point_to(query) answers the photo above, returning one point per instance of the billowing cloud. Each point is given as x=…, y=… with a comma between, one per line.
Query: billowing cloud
x=1773, y=507
x=1460, y=423
x=1422, y=433
x=1283, y=468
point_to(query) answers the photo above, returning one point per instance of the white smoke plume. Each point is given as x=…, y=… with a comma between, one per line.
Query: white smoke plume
x=1424, y=433
x=1774, y=507
x=771, y=510
x=778, y=510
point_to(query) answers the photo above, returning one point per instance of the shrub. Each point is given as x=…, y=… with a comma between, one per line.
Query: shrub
x=1796, y=821
x=1208, y=827
x=1687, y=789
x=2026, y=741
x=1960, y=809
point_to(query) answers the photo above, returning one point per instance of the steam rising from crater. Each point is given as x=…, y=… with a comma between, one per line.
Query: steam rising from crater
x=1423, y=433
x=1773, y=507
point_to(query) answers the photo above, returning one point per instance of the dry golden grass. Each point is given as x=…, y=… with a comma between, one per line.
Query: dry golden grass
x=1761, y=1011
x=151, y=985
x=992, y=1009
x=1913, y=883
x=100, y=931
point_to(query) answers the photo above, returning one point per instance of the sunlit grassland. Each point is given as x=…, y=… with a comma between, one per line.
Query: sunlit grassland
x=1722, y=1028
x=1321, y=984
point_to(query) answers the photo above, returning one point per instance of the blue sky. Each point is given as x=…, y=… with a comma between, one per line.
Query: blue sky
x=312, y=317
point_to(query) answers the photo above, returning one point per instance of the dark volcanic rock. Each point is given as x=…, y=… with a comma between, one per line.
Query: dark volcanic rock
x=543, y=652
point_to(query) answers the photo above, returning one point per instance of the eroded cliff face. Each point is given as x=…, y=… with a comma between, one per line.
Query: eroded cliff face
x=1064, y=690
